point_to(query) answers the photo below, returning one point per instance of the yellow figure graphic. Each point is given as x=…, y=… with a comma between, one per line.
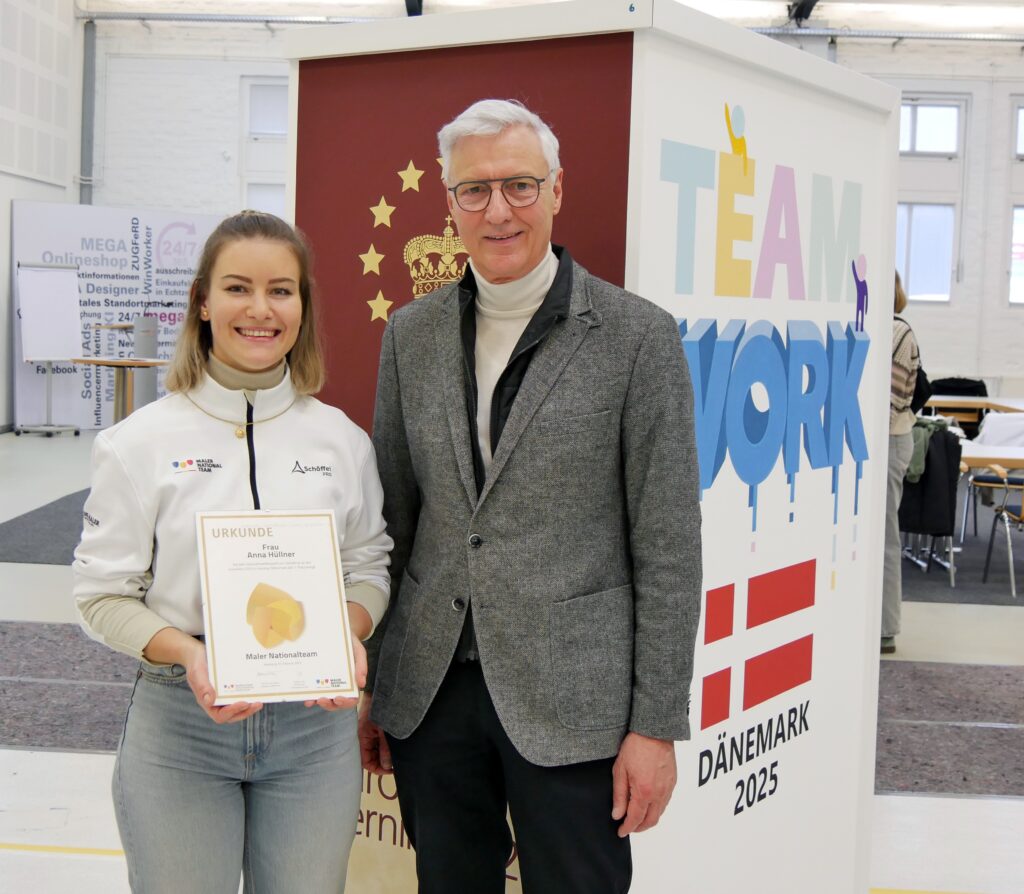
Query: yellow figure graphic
x=736, y=124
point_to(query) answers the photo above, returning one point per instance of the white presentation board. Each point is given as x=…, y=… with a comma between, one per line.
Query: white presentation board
x=46, y=304
x=761, y=207
x=130, y=261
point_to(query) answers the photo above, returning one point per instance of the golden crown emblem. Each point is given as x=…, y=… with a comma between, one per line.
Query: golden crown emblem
x=433, y=260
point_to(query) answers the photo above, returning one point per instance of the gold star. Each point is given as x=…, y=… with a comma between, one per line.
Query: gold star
x=371, y=261
x=379, y=306
x=440, y=161
x=410, y=177
x=382, y=213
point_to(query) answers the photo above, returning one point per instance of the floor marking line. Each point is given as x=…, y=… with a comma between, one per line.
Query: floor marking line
x=971, y=724
x=908, y=891
x=55, y=749
x=55, y=681
x=57, y=849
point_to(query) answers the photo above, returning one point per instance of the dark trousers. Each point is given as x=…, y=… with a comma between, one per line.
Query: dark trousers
x=457, y=774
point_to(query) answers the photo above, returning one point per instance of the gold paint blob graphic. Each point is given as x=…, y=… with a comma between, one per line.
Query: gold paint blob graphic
x=274, y=615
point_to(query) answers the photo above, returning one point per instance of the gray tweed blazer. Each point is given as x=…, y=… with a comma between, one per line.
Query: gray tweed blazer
x=581, y=557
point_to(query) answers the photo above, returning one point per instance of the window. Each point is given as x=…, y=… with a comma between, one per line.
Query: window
x=1017, y=255
x=265, y=197
x=264, y=143
x=1014, y=202
x=930, y=127
x=268, y=109
x=932, y=178
x=924, y=250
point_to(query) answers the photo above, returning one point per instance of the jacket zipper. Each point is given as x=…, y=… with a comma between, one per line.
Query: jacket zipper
x=252, y=455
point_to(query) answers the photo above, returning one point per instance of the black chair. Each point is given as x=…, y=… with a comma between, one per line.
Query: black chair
x=968, y=418
x=1011, y=514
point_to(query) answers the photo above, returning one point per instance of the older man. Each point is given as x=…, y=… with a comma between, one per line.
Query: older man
x=534, y=433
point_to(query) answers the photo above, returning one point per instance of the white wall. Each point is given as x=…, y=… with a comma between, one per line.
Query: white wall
x=169, y=131
x=169, y=123
x=169, y=114
x=977, y=333
x=40, y=103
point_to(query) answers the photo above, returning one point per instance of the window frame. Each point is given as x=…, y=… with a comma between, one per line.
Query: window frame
x=1017, y=128
x=908, y=273
x=249, y=142
x=914, y=101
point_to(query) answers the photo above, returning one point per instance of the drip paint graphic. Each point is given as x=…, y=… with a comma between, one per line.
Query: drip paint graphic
x=805, y=381
x=816, y=424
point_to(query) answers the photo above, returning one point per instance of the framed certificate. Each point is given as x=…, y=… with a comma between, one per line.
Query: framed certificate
x=274, y=606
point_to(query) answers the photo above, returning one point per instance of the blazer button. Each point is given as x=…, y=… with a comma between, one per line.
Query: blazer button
x=475, y=541
x=459, y=604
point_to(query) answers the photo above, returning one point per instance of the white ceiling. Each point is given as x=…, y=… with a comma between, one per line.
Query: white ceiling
x=920, y=15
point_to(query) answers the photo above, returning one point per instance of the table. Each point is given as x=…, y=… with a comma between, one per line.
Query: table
x=124, y=394
x=978, y=456
x=1000, y=404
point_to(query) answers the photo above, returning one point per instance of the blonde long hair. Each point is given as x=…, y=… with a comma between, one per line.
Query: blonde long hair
x=305, y=359
x=900, y=298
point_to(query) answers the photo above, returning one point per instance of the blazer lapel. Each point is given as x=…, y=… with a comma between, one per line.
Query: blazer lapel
x=449, y=349
x=546, y=366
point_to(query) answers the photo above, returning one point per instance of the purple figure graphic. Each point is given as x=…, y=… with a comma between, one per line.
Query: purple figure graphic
x=860, y=269
x=736, y=124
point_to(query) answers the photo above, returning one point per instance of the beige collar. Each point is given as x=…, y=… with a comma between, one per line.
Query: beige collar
x=239, y=380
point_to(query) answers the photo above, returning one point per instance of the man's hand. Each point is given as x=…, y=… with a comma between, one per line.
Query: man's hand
x=373, y=746
x=643, y=777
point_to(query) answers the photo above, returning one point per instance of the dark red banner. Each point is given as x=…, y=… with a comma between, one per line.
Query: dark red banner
x=369, y=194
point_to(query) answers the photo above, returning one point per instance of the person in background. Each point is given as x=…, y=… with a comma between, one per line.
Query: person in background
x=535, y=435
x=906, y=359
x=206, y=794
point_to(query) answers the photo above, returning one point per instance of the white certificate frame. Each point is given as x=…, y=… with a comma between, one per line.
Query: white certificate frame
x=336, y=674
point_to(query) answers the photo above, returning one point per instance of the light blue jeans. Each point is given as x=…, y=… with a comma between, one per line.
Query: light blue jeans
x=273, y=798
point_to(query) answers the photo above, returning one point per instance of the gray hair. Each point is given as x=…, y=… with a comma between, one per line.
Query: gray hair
x=489, y=117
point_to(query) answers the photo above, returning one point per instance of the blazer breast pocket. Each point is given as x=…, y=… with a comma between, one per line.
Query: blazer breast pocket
x=562, y=426
x=592, y=658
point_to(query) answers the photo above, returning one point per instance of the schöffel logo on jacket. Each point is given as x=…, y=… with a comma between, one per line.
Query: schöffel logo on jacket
x=321, y=469
x=194, y=465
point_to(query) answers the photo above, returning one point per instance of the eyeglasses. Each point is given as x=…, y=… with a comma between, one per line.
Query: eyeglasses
x=475, y=195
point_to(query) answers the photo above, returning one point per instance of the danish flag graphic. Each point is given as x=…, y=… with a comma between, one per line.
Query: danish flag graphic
x=770, y=596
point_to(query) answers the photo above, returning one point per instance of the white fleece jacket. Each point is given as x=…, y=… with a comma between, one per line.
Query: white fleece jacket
x=153, y=471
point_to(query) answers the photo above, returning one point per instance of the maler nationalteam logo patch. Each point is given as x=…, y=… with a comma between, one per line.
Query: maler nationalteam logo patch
x=194, y=465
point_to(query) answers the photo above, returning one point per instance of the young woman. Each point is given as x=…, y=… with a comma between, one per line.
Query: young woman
x=204, y=794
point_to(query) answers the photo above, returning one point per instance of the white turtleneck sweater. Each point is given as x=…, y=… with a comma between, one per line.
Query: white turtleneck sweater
x=503, y=311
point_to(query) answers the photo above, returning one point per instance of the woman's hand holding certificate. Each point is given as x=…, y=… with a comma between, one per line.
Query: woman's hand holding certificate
x=360, y=624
